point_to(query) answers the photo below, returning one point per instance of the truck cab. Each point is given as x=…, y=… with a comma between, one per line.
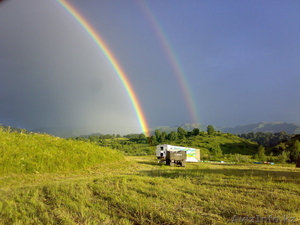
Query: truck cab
x=160, y=152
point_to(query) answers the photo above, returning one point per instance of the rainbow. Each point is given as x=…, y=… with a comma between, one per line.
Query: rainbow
x=113, y=61
x=172, y=59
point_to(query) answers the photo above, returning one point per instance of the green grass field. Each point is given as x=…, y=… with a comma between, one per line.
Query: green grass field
x=49, y=180
x=140, y=191
x=23, y=152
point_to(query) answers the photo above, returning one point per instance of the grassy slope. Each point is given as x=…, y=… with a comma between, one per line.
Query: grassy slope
x=139, y=191
x=229, y=143
x=41, y=153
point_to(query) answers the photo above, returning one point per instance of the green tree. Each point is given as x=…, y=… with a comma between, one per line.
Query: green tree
x=93, y=138
x=107, y=136
x=163, y=136
x=196, y=131
x=158, y=135
x=216, y=152
x=261, y=153
x=189, y=134
x=283, y=157
x=142, y=136
x=211, y=130
x=279, y=148
x=149, y=140
x=270, y=158
x=172, y=136
x=181, y=132
x=154, y=140
x=295, y=152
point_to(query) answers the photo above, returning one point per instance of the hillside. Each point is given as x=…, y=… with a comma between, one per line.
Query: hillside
x=41, y=153
x=220, y=146
x=228, y=143
x=208, y=144
x=290, y=128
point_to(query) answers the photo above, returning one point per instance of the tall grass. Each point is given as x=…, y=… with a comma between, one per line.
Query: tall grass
x=147, y=193
x=22, y=152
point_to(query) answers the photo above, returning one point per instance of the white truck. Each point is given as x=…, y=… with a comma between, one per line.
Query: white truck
x=192, y=154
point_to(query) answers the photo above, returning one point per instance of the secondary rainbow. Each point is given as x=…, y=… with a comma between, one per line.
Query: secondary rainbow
x=172, y=59
x=112, y=59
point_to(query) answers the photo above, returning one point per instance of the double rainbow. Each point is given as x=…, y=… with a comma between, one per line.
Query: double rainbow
x=173, y=59
x=113, y=61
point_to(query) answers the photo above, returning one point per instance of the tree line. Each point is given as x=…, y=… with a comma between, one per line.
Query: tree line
x=157, y=137
x=161, y=137
x=267, y=139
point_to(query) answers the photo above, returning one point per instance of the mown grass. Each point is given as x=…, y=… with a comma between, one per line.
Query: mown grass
x=140, y=191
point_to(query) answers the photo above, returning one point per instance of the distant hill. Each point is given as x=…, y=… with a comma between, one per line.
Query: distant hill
x=290, y=128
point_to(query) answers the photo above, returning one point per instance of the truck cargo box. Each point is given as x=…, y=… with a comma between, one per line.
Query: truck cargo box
x=193, y=154
x=176, y=158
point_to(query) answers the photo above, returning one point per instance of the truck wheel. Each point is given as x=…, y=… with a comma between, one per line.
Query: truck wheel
x=168, y=162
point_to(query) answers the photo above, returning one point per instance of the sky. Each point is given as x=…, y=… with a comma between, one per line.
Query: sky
x=224, y=63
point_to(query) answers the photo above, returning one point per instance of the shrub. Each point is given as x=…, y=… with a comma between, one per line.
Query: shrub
x=238, y=158
x=283, y=157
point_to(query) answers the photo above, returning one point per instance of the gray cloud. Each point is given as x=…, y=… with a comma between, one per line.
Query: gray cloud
x=240, y=60
x=52, y=74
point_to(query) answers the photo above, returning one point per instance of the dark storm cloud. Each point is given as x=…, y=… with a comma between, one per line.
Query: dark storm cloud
x=239, y=58
x=52, y=74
